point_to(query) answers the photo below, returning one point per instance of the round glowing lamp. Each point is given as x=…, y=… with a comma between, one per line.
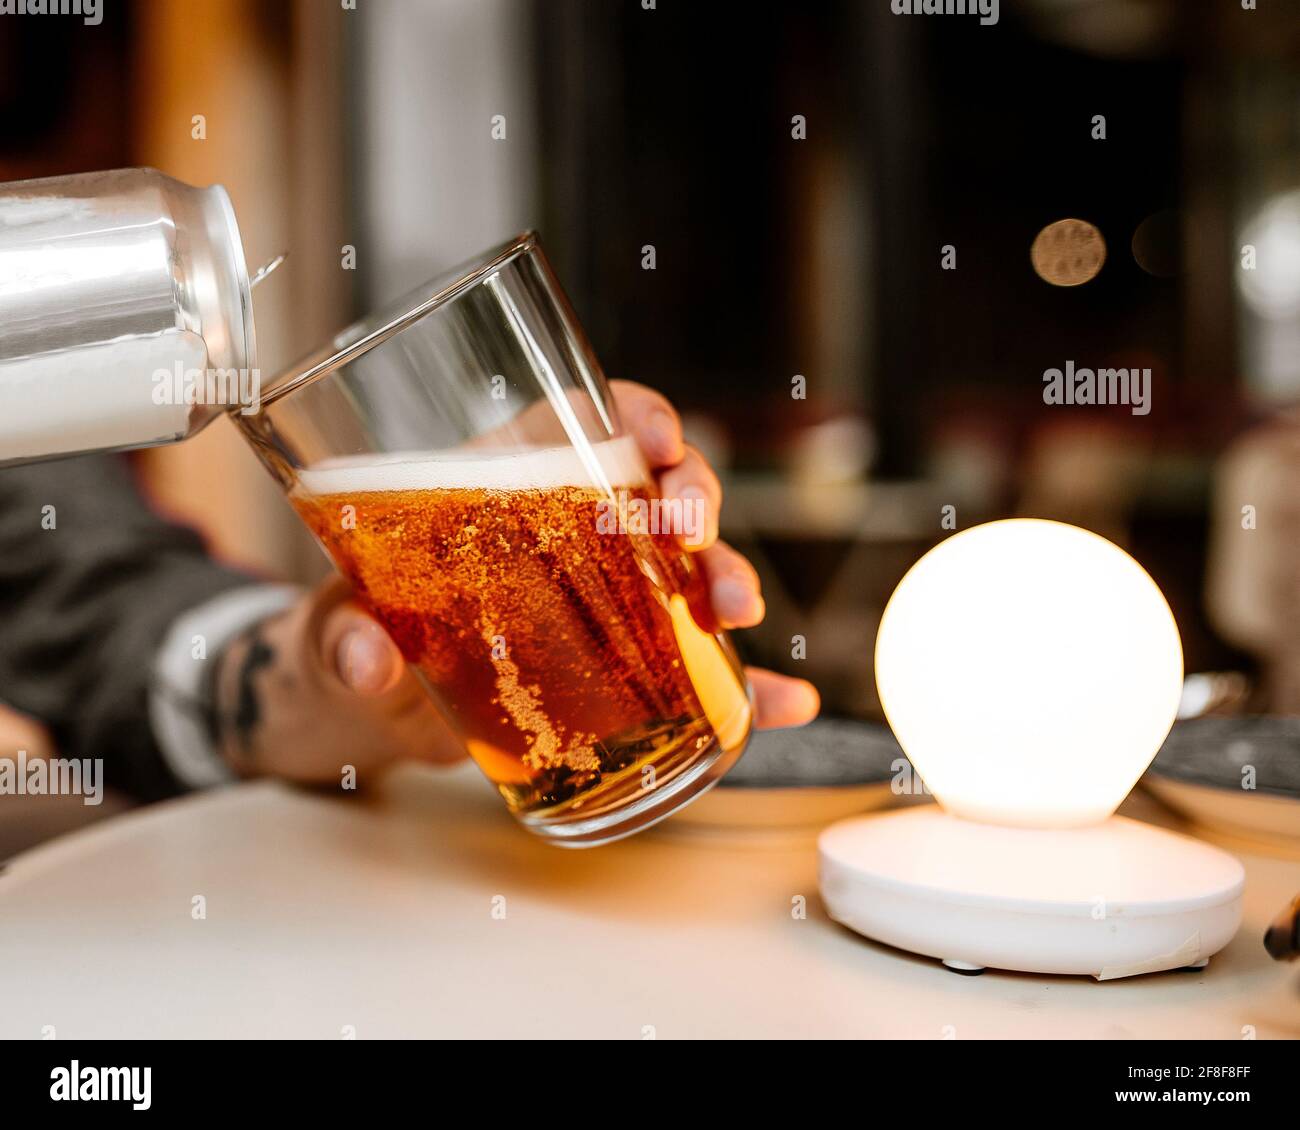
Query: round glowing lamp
x=1030, y=670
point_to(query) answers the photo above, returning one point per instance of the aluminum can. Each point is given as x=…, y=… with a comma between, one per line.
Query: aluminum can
x=126, y=314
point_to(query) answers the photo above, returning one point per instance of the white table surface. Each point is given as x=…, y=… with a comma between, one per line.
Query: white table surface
x=332, y=914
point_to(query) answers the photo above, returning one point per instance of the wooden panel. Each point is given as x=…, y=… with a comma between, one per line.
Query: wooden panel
x=264, y=80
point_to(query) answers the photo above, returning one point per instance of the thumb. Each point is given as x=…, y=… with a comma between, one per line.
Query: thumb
x=356, y=649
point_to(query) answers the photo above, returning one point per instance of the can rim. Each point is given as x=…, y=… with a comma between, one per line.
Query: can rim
x=333, y=357
x=241, y=278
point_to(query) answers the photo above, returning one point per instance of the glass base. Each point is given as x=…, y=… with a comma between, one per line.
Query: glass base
x=568, y=827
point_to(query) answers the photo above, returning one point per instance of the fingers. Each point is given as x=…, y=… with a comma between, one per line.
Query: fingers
x=693, y=483
x=362, y=656
x=367, y=661
x=685, y=475
x=733, y=587
x=652, y=420
x=359, y=652
x=780, y=700
x=364, y=659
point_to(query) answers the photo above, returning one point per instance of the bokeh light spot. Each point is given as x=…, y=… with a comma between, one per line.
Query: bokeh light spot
x=1068, y=253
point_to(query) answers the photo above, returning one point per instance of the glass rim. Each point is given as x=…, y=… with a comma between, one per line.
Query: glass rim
x=332, y=357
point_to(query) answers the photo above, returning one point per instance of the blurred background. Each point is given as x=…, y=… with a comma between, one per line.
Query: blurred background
x=740, y=194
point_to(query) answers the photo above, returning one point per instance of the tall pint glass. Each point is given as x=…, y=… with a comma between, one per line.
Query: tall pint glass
x=461, y=461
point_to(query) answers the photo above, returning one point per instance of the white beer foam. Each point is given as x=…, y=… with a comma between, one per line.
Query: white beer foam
x=537, y=468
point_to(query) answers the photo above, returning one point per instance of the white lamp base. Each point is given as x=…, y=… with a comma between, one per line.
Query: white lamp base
x=1111, y=900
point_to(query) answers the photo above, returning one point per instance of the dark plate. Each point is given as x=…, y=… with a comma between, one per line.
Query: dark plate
x=1200, y=772
x=1215, y=751
x=804, y=777
x=826, y=753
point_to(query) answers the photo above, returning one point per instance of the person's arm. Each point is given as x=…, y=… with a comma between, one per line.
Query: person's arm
x=99, y=617
x=101, y=606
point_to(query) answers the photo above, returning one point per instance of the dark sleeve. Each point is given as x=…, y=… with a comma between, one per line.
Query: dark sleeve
x=90, y=580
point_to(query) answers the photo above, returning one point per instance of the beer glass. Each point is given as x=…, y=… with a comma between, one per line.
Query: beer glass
x=461, y=461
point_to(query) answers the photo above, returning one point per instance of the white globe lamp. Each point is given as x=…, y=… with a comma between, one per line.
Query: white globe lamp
x=1030, y=670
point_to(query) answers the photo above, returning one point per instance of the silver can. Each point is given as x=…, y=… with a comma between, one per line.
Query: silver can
x=126, y=314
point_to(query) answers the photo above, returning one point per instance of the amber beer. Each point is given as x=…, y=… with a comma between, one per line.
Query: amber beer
x=568, y=657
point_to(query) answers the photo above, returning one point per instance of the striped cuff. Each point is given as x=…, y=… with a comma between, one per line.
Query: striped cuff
x=177, y=694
